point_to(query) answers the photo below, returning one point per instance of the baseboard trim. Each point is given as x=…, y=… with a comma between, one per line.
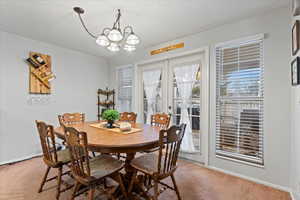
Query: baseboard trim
x=279, y=187
x=20, y=159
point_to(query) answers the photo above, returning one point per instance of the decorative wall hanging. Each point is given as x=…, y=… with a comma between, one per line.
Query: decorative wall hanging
x=296, y=71
x=39, y=100
x=168, y=48
x=40, y=73
x=295, y=38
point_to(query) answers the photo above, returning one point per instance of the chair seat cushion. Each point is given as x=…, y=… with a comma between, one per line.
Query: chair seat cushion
x=104, y=165
x=63, y=156
x=147, y=163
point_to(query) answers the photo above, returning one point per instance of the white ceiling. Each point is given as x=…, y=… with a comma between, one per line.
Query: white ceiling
x=155, y=21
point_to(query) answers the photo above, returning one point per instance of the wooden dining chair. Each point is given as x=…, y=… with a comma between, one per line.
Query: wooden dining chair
x=161, y=166
x=51, y=157
x=128, y=117
x=161, y=120
x=91, y=172
x=71, y=118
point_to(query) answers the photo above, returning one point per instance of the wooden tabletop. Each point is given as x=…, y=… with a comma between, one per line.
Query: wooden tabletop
x=105, y=141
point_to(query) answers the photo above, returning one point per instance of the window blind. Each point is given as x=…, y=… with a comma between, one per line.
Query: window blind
x=125, y=77
x=240, y=100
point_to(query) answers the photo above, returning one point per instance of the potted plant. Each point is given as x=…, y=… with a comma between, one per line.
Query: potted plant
x=110, y=116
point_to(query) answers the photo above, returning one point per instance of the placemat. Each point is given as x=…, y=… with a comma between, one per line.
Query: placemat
x=116, y=130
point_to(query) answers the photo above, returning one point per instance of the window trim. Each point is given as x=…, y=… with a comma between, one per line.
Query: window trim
x=240, y=40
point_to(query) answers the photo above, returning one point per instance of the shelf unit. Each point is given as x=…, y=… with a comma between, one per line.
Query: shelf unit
x=106, y=100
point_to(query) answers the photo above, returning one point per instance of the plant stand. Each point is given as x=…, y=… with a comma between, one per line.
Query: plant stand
x=106, y=100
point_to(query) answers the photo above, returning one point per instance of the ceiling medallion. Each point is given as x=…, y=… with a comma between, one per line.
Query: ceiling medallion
x=113, y=38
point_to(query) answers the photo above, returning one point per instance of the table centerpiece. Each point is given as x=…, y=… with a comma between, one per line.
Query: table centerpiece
x=110, y=116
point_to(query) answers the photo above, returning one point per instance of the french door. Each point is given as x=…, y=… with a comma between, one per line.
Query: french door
x=178, y=87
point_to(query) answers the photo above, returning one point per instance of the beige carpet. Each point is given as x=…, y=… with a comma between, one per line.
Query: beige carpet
x=20, y=181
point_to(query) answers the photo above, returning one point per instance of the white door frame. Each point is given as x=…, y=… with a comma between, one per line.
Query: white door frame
x=205, y=105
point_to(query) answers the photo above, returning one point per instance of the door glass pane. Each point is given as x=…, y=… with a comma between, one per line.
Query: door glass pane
x=152, y=93
x=186, y=104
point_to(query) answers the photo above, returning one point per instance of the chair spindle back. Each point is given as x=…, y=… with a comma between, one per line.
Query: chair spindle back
x=161, y=120
x=128, y=117
x=77, y=145
x=71, y=118
x=169, y=143
x=47, y=139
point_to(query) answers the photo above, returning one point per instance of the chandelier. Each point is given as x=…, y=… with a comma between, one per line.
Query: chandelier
x=113, y=38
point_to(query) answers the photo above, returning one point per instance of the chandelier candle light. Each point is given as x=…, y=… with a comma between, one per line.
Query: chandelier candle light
x=113, y=38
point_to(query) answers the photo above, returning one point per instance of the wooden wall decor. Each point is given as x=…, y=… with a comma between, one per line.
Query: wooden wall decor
x=166, y=49
x=40, y=73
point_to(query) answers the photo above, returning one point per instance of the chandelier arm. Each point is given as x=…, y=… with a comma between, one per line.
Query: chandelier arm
x=127, y=28
x=84, y=26
x=106, y=31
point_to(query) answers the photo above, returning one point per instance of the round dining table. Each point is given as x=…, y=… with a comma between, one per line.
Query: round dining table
x=106, y=141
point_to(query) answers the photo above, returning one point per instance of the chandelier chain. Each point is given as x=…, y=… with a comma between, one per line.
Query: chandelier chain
x=84, y=26
x=117, y=20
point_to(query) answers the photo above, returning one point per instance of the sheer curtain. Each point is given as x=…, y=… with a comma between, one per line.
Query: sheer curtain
x=185, y=78
x=151, y=82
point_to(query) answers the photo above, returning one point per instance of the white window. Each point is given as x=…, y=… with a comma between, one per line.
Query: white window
x=125, y=76
x=240, y=100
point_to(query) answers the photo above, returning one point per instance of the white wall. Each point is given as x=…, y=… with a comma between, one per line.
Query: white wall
x=78, y=77
x=295, y=136
x=277, y=88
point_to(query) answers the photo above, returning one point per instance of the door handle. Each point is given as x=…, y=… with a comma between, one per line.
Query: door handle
x=170, y=110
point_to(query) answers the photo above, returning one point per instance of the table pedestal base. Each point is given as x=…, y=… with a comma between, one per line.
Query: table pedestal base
x=127, y=178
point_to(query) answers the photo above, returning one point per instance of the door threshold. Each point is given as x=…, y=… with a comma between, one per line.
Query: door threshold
x=198, y=162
